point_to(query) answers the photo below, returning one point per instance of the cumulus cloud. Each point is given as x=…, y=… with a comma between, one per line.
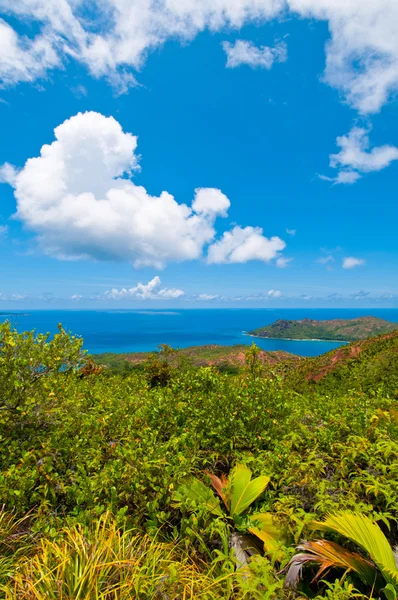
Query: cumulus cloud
x=356, y=156
x=148, y=291
x=243, y=52
x=274, y=294
x=291, y=232
x=361, y=54
x=77, y=197
x=243, y=244
x=350, y=262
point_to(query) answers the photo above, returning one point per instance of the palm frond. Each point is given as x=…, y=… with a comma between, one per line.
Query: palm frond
x=329, y=555
x=361, y=530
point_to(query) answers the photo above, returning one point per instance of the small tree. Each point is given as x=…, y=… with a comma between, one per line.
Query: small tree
x=27, y=362
x=253, y=360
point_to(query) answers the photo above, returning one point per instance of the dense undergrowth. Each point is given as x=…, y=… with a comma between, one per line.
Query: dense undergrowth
x=93, y=463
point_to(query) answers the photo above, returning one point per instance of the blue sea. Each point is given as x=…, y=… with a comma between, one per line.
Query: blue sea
x=143, y=330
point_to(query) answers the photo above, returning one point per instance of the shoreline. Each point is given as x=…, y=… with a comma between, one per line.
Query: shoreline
x=261, y=337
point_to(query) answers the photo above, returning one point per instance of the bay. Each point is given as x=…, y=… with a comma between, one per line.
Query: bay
x=144, y=330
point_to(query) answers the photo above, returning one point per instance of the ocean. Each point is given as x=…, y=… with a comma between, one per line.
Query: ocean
x=143, y=330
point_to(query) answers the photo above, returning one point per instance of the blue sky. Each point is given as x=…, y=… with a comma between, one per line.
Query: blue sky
x=283, y=118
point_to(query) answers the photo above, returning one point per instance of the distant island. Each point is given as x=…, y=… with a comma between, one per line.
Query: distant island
x=342, y=330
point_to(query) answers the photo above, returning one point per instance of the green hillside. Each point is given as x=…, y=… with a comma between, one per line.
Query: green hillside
x=336, y=329
x=138, y=483
x=229, y=359
x=363, y=365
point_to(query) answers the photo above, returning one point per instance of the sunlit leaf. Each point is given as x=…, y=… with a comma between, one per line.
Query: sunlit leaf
x=243, y=490
x=265, y=529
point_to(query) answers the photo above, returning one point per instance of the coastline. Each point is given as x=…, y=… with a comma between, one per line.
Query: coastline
x=262, y=337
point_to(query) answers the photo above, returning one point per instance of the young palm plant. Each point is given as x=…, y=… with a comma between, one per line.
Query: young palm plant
x=238, y=492
x=378, y=570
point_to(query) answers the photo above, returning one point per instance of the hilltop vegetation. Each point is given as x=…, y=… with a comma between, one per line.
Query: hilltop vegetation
x=336, y=329
x=365, y=365
x=106, y=477
x=227, y=359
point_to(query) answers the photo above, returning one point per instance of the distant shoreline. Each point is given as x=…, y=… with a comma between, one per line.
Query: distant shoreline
x=262, y=337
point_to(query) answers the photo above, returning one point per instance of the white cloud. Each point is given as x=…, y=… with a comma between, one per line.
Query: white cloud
x=342, y=177
x=243, y=244
x=350, y=262
x=79, y=91
x=143, y=291
x=356, y=157
x=282, y=262
x=8, y=174
x=291, y=232
x=207, y=296
x=170, y=293
x=355, y=153
x=74, y=197
x=22, y=59
x=246, y=53
x=3, y=231
x=274, y=294
x=75, y=297
x=324, y=260
x=361, y=54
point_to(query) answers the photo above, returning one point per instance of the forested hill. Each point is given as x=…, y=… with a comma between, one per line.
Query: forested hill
x=348, y=330
x=364, y=365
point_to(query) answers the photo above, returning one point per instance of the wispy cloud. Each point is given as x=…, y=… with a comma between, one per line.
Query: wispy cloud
x=283, y=261
x=361, y=52
x=324, y=260
x=208, y=297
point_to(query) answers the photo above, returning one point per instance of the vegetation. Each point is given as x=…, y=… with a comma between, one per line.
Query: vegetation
x=177, y=481
x=227, y=359
x=347, y=330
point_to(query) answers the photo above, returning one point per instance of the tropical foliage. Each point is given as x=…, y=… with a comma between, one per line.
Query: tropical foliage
x=147, y=483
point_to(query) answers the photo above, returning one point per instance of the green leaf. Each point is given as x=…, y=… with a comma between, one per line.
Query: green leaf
x=195, y=491
x=266, y=531
x=243, y=491
x=389, y=592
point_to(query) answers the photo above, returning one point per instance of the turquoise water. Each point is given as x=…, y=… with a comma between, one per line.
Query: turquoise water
x=142, y=330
